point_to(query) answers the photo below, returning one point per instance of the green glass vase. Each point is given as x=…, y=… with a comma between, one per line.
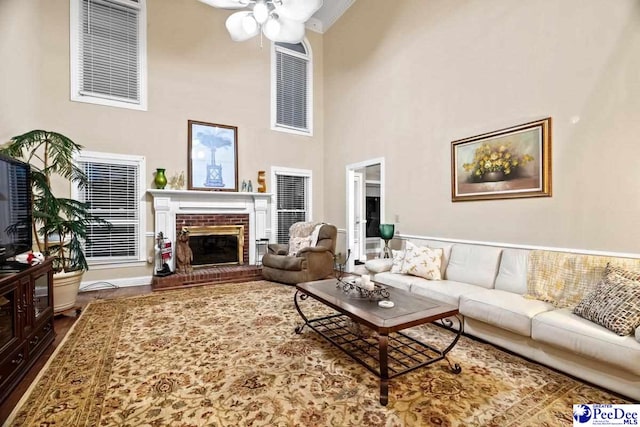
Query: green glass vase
x=160, y=180
x=386, y=233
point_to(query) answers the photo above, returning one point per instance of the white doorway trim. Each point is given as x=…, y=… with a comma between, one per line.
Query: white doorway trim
x=350, y=202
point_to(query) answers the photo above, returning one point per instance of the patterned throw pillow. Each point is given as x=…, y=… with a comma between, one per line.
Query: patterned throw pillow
x=398, y=260
x=423, y=262
x=297, y=243
x=615, y=302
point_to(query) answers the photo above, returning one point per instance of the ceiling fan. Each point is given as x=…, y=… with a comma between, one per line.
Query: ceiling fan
x=279, y=20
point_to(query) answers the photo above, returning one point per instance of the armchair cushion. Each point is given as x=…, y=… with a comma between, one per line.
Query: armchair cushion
x=278, y=248
x=283, y=262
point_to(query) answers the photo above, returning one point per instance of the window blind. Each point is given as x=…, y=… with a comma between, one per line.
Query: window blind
x=292, y=203
x=112, y=195
x=109, y=65
x=291, y=91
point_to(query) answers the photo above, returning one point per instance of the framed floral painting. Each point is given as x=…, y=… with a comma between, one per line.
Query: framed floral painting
x=213, y=157
x=505, y=164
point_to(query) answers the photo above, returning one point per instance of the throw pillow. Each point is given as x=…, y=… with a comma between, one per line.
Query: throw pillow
x=423, y=262
x=615, y=302
x=379, y=265
x=397, y=261
x=297, y=243
x=398, y=258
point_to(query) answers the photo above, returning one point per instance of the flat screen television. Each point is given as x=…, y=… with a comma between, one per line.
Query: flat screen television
x=15, y=210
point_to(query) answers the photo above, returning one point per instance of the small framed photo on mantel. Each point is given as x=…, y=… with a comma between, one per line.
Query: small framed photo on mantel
x=213, y=157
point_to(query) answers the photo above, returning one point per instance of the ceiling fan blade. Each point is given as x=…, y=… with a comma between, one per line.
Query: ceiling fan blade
x=290, y=31
x=298, y=10
x=225, y=4
x=237, y=30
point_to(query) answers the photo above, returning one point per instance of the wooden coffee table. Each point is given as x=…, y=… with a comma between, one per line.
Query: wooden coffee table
x=388, y=352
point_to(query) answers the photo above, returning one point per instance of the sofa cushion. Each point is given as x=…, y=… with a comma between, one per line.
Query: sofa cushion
x=474, y=264
x=504, y=309
x=444, y=291
x=379, y=265
x=615, y=302
x=512, y=274
x=424, y=262
x=563, y=329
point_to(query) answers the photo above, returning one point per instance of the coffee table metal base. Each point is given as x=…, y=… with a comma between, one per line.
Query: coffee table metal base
x=385, y=355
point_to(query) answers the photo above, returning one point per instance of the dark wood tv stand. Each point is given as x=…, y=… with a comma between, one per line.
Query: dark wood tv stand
x=26, y=322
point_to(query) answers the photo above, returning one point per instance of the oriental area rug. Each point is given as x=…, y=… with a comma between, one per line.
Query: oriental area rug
x=227, y=355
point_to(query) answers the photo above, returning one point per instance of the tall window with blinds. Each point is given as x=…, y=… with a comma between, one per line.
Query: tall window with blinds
x=292, y=201
x=114, y=193
x=108, y=52
x=292, y=88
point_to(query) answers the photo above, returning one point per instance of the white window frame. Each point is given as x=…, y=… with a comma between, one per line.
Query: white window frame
x=278, y=170
x=74, y=40
x=140, y=161
x=274, y=98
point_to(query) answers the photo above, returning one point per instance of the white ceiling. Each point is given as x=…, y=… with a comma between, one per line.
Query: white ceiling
x=328, y=14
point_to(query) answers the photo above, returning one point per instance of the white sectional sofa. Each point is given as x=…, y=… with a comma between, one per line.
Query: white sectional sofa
x=488, y=284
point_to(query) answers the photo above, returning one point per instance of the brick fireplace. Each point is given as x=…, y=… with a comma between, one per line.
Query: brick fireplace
x=216, y=221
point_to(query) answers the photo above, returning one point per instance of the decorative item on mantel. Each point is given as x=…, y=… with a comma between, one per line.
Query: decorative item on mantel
x=262, y=182
x=244, y=186
x=160, y=179
x=176, y=182
x=250, y=187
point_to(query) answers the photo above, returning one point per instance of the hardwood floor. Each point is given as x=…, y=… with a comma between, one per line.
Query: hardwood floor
x=62, y=324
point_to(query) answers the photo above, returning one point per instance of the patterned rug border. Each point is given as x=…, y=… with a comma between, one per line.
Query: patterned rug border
x=160, y=297
x=435, y=397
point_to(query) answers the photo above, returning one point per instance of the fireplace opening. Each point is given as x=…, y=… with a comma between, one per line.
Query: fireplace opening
x=213, y=250
x=216, y=245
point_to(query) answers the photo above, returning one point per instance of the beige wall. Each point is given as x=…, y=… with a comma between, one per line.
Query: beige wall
x=404, y=79
x=195, y=72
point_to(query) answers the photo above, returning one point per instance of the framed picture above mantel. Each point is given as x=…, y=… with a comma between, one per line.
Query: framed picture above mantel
x=505, y=164
x=213, y=157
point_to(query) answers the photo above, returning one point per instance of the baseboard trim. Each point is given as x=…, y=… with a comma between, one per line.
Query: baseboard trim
x=94, y=285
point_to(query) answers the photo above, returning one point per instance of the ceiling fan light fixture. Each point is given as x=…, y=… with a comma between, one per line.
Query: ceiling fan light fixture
x=249, y=24
x=279, y=20
x=272, y=27
x=261, y=12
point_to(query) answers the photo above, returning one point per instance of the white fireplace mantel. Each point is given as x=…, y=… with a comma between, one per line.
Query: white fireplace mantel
x=169, y=203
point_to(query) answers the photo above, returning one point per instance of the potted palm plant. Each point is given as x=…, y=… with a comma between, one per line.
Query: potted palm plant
x=59, y=223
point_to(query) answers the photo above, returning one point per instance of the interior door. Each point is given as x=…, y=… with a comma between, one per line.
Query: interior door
x=359, y=218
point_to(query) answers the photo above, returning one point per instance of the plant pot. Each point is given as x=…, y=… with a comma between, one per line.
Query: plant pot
x=493, y=176
x=65, y=290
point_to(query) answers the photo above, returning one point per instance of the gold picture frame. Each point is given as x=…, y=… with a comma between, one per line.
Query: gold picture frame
x=505, y=164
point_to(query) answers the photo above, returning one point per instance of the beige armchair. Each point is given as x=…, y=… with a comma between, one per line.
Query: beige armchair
x=309, y=262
